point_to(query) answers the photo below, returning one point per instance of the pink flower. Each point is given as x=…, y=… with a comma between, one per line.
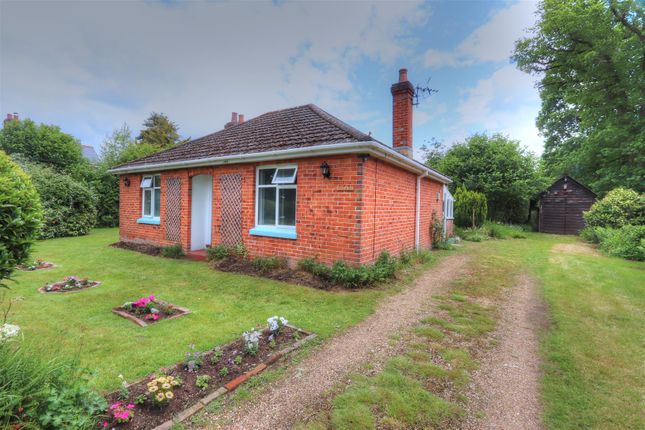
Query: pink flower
x=152, y=297
x=115, y=405
x=105, y=424
x=131, y=406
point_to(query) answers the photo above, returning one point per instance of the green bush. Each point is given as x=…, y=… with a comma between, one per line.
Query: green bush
x=594, y=234
x=341, y=273
x=106, y=187
x=626, y=242
x=69, y=205
x=471, y=208
x=504, y=231
x=46, y=394
x=20, y=216
x=266, y=264
x=172, y=251
x=218, y=252
x=621, y=206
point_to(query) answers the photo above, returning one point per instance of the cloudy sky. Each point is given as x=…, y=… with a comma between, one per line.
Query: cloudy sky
x=90, y=66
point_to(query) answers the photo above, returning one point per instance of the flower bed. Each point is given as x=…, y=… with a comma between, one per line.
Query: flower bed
x=68, y=285
x=185, y=388
x=36, y=265
x=148, y=310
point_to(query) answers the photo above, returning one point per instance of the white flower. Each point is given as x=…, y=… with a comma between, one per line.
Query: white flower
x=7, y=331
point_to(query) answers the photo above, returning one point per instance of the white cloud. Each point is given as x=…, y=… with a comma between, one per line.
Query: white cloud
x=89, y=66
x=505, y=102
x=491, y=42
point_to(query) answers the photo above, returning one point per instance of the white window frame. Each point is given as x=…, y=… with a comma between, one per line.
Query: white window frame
x=152, y=189
x=278, y=186
x=449, y=204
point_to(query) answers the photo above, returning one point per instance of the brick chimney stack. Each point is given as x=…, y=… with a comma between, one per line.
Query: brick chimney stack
x=235, y=120
x=402, y=93
x=11, y=117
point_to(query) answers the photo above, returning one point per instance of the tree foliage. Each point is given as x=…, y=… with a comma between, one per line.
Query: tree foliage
x=471, y=208
x=160, y=132
x=20, y=216
x=497, y=167
x=590, y=55
x=43, y=143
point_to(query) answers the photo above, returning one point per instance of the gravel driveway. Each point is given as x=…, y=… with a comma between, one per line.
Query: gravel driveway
x=299, y=393
x=506, y=386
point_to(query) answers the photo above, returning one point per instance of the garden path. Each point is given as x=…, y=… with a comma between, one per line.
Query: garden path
x=301, y=391
x=506, y=385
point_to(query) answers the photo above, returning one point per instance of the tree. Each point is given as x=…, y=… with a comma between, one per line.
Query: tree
x=590, y=55
x=433, y=153
x=471, y=208
x=20, y=216
x=45, y=144
x=160, y=132
x=500, y=169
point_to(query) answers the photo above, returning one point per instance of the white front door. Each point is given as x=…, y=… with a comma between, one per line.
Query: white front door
x=201, y=212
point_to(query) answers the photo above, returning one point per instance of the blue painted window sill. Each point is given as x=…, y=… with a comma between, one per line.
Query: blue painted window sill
x=148, y=220
x=273, y=232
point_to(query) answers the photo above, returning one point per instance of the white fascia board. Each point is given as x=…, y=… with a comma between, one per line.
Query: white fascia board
x=370, y=147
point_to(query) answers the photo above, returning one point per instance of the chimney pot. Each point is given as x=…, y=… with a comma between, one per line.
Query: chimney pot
x=9, y=117
x=15, y=116
x=240, y=118
x=234, y=117
x=403, y=75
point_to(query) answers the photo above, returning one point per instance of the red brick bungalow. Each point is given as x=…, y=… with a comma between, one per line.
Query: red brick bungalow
x=296, y=183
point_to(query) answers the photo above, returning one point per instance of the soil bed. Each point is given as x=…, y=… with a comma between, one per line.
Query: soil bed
x=144, y=248
x=148, y=416
x=284, y=274
x=36, y=265
x=166, y=311
x=68, y=286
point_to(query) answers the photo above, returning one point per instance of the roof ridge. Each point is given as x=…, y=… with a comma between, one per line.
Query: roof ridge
x=356, y=133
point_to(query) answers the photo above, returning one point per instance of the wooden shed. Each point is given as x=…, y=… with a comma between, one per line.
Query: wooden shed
x=561, y=206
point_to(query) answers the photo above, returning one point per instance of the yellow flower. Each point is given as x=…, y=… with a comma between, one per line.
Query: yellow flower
x=153, y=388
x=160, y=397
x=161, y=380
x=175, y=383
x=169, y=395
x=166, y=386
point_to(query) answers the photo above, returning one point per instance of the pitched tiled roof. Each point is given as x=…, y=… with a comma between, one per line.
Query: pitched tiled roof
x=297, y=127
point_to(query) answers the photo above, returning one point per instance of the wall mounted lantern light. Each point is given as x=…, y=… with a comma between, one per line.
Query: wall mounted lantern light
x=126, y=181
x=324, y=169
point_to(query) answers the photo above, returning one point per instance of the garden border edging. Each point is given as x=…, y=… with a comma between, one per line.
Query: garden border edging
x=233, y=384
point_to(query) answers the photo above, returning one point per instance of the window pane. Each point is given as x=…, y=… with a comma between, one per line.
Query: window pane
x=146, y=182
x=266, y=176
x=157, y=201
x=285, y=176
x=266, y=209
x=147, y=201
x=157, y=181
x=287, y=208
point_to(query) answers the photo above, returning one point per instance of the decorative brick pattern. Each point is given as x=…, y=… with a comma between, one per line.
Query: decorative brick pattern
x=173, y=209
x=230, y=188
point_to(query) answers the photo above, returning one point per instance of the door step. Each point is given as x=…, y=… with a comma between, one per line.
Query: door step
x=199, y=255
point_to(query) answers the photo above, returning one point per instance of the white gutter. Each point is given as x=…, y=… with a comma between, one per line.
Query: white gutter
x=370, y=147
x=417, y=219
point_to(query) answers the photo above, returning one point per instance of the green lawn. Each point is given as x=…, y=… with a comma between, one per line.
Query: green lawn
x=223, y=305
x=593, y=351
x=594, y=348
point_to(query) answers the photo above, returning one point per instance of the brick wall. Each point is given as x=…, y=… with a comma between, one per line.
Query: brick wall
x=364, y=208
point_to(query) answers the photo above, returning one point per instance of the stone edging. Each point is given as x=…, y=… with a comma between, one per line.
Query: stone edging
x=232, y=385
x=43, y=291
x=143, y=323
